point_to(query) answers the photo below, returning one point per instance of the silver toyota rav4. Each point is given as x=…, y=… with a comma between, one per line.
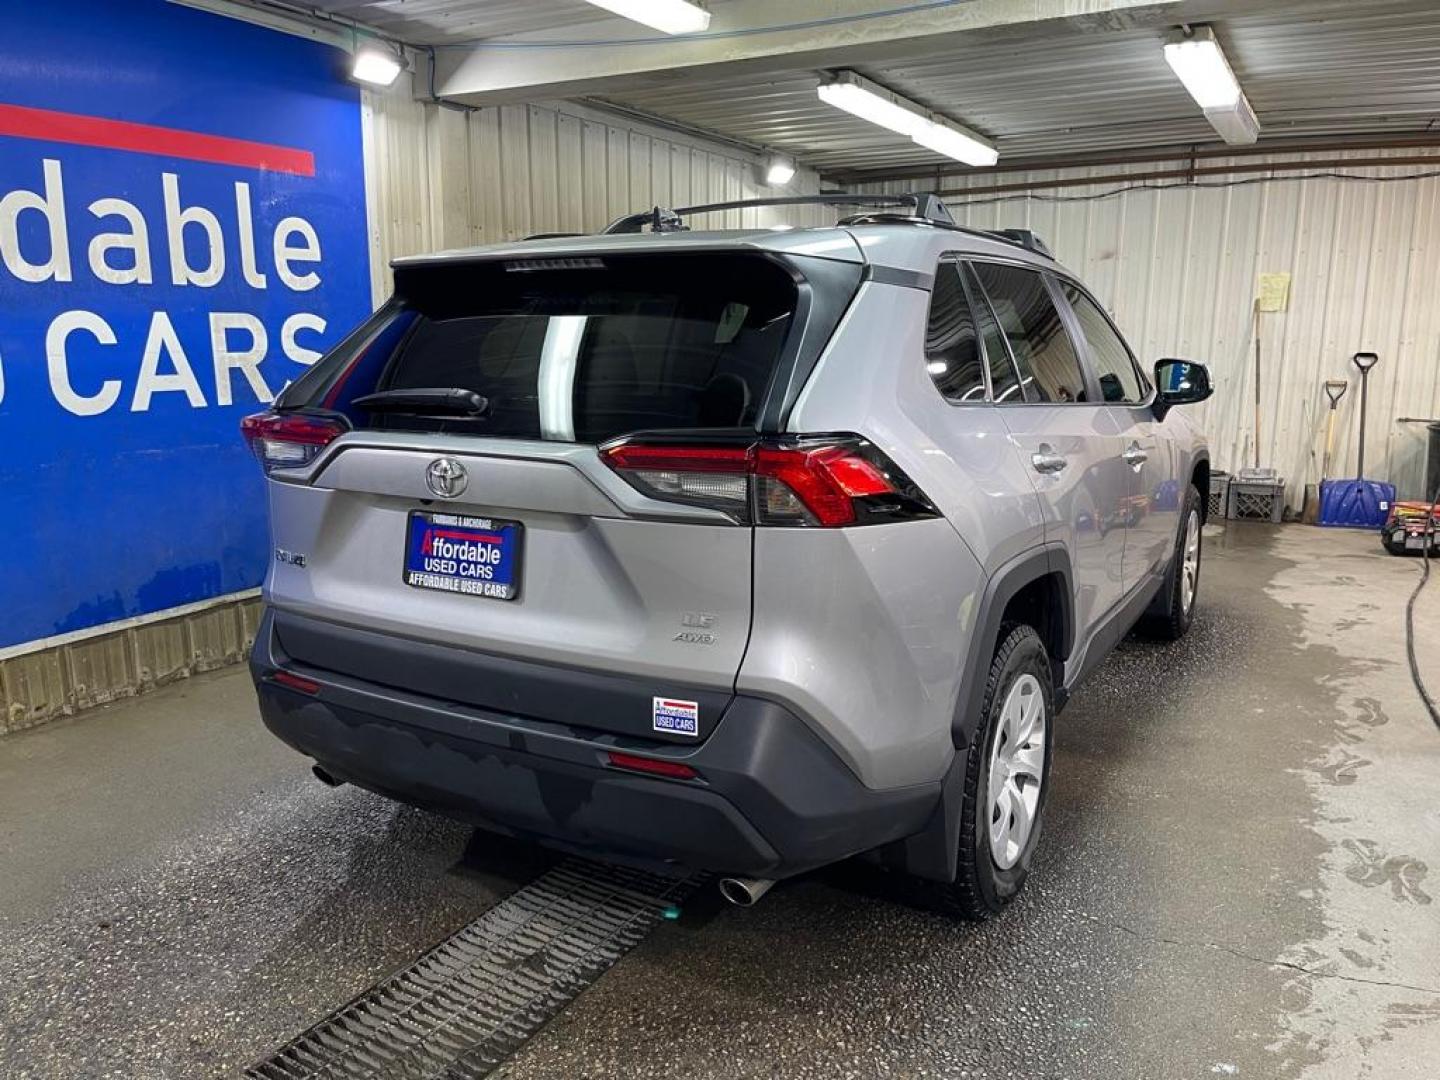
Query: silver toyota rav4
x=744, y=551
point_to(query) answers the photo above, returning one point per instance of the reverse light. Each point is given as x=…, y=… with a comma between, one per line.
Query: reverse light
x=289, y=440
x=826, y=482
x=671, y=770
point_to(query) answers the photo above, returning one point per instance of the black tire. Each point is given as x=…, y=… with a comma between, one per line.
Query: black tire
x=1169, y=618
x=982, y=887
x=1392, y=547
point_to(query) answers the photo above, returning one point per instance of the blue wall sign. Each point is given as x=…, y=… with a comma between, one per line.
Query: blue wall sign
x=182, y=231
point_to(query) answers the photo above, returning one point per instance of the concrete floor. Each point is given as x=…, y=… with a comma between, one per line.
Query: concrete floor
x=1233, y=880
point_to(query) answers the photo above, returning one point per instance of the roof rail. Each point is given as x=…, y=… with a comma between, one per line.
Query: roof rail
x=919, y=208
x=923, y=207
x=1025, y=238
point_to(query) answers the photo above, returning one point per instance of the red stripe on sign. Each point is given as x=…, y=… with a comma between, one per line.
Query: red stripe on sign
x=676, y=704
x=22, y=122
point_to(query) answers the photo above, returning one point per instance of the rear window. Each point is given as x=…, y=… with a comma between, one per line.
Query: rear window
x=569, y=350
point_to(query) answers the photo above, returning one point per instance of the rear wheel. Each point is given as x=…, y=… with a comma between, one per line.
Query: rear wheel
x=1171, y=618
x=1006, y=779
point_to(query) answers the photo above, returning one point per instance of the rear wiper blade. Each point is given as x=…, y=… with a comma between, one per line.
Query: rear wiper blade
x=426, y=401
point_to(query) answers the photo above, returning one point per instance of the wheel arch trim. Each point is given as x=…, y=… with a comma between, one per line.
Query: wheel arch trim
x=931, y=853
x=1050, y=560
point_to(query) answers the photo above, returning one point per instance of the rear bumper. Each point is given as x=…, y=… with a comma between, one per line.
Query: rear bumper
x=772, y=800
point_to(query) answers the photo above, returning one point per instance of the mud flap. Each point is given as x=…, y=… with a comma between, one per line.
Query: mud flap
x=932, y=852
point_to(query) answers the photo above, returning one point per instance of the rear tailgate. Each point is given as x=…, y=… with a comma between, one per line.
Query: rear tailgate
x=617, y=595
x=593, y=604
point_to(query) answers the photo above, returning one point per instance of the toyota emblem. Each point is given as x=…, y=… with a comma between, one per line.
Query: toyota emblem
x=446, y=477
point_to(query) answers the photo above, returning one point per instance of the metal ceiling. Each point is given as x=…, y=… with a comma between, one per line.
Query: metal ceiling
x=1317, y=68
x=1371, y=68
x=437, y=22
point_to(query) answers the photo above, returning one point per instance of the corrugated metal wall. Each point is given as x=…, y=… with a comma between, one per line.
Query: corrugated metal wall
x=1178, y=269
x=447, y=178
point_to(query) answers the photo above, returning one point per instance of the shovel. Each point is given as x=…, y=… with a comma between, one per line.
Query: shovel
x=1334, y=390
x=1358, y=503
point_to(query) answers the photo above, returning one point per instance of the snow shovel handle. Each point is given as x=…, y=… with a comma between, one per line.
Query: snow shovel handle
x=1364, y=361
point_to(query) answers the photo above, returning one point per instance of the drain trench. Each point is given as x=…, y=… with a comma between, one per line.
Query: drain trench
x=469, y=1003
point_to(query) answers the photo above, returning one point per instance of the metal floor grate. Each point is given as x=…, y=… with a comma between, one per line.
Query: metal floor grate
x=466, y=1005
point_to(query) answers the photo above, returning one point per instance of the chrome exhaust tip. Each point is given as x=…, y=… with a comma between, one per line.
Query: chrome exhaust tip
x=744, y=892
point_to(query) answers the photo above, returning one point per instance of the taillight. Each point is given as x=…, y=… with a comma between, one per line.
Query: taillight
x=824, y=481
x=713, y=476
x=289, y=440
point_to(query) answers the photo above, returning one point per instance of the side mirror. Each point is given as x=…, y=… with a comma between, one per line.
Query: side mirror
x=1180, y=382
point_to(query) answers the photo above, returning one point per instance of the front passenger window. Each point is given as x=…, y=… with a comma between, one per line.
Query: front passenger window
x=1119, y=382
x=1049, y=367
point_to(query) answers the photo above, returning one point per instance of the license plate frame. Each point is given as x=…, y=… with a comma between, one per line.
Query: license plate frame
x=463, y=533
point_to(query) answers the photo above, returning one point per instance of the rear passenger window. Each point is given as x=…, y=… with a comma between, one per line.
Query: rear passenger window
x=1004, y=382
x=1114, y=368
x=952, y=350
x=1049, y=367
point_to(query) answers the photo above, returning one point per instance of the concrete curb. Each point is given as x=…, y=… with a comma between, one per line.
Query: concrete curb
x=63, y=679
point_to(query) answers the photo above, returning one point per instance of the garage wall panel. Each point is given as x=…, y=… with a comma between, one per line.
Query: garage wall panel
x=449, y=177
x=1179, y=269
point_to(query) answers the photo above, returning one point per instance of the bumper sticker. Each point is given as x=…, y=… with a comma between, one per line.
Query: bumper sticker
x=675, y=717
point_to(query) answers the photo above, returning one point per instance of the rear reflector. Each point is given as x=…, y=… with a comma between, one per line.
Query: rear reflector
x=292, y=681
x=829, y=482
x=289, y=440
x=673, y=770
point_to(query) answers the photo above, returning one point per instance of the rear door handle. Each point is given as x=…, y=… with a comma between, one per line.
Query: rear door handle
x=1135, y=457
x=1046, y=461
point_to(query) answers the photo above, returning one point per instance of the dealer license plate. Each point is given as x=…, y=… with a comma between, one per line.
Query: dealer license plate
x=456, y=553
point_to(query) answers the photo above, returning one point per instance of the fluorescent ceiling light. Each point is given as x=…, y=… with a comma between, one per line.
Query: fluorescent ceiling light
x=1198, y=62
x=667, y=16
x=779, y=170
x=376, y=65
x=1237, y=124
x=957, y=144
x=870, y=101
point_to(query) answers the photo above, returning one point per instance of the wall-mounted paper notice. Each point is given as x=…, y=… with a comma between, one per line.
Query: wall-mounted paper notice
x=1274, y=292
